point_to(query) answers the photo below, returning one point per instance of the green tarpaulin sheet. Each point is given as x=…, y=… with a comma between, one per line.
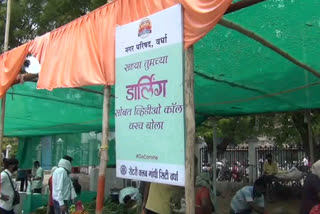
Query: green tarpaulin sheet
x=83, y=148
x=31, y=112
x=234, y=75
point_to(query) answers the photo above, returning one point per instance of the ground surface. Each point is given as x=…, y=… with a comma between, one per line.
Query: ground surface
x=290, y=206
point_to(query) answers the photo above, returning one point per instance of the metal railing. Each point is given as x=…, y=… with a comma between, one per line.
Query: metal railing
x=286, y=158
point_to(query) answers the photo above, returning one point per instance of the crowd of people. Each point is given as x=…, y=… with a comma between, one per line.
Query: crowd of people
x=62, y=189
x=156, y=198
x=247, y=200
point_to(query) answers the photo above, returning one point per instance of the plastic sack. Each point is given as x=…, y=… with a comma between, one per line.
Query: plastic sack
x=291, y=175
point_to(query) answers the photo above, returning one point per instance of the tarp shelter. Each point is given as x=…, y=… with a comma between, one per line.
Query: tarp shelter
x=234, y=75
x=62, y=114
x=32, y=112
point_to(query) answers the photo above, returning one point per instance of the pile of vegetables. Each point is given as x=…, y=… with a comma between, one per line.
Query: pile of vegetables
x=114, y=208
x=108, y=208
x=41, y=210
x=90, y=207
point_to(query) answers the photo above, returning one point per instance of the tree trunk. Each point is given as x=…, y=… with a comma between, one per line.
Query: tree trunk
x=302, y=128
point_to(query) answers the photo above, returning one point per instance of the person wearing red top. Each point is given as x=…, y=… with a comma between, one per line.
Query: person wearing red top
x=204, y=194
x=51, y=205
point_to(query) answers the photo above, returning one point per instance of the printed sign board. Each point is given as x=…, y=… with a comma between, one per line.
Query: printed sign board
x=149, y=99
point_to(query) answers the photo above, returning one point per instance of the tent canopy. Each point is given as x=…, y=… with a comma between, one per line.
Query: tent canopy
x=234, y=75
x=32, y=112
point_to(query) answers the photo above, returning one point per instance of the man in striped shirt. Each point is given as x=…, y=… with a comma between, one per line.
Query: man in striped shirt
x=249, y=199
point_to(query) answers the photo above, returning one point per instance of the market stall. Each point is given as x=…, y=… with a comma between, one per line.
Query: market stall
x=242, y=67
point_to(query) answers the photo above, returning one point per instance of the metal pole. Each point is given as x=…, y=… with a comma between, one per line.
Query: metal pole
x=214, y=163
x=103, y=151
x=3, y=101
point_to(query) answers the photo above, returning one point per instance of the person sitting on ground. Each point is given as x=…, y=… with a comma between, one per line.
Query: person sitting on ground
x=311, y=189
x=37, y=178
x=270, y=169
x=204, y=194
x=249, y=199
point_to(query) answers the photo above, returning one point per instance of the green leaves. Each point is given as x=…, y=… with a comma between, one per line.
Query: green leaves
x=283, y=128
x=31, y=18
x=13, y=142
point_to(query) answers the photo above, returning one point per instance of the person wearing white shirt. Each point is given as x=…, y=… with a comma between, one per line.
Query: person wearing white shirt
x=7, y=191
x=62, y=188
x=37, y=179
x=305, y=162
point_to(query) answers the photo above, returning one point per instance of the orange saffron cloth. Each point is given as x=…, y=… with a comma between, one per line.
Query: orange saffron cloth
x=82, y=52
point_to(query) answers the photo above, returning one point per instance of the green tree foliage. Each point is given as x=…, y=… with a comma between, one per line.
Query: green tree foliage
x=31, y=18
x=233, y=130
x=284, y=128
x=13, y=142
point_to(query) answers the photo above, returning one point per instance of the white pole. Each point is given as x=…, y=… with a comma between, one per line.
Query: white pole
x=6, y=35
x=214, y=163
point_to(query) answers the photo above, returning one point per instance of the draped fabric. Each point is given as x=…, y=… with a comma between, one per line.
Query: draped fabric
x=10, y=65
x=39, y=46
x=82, y=52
